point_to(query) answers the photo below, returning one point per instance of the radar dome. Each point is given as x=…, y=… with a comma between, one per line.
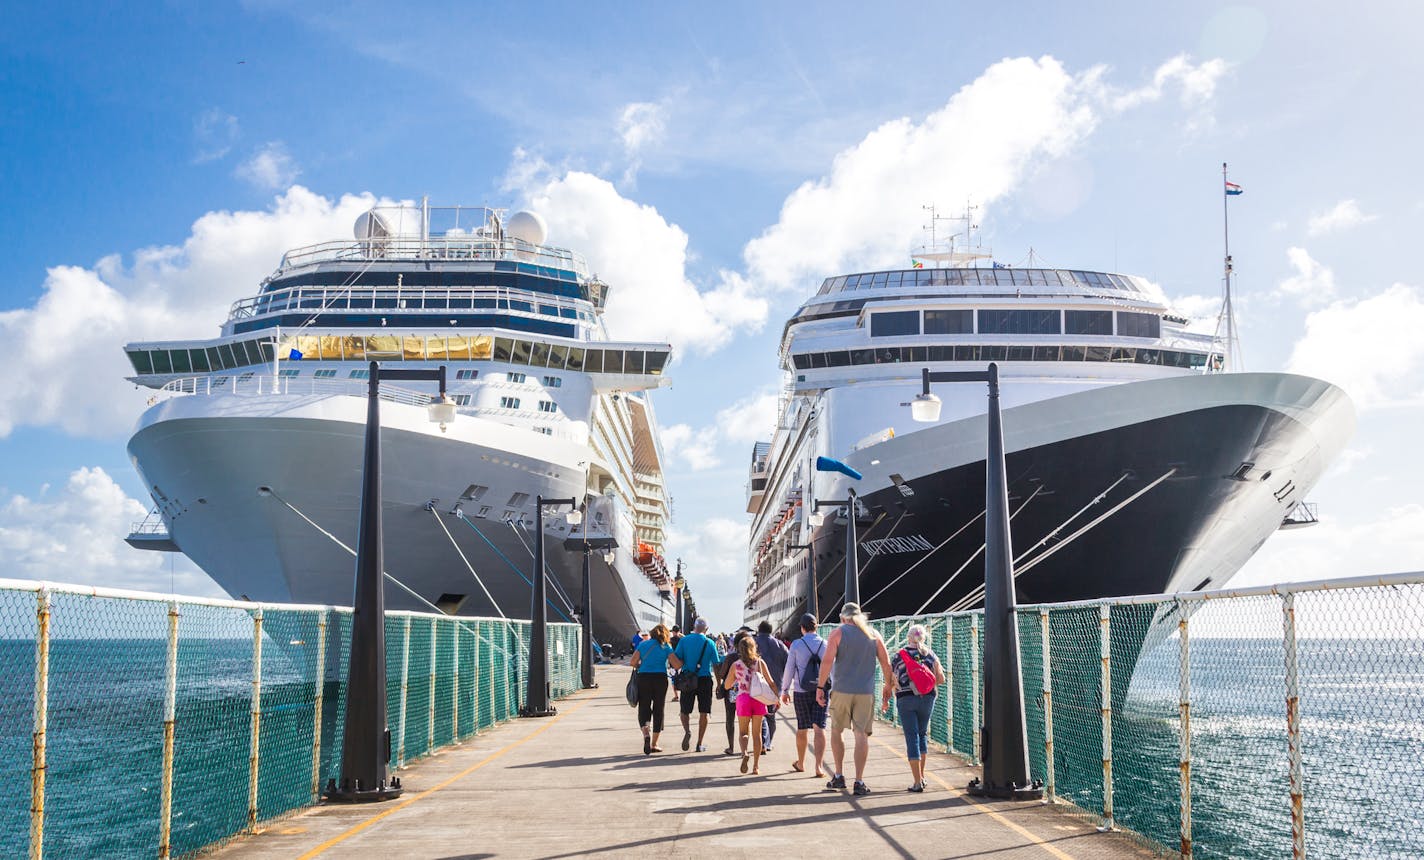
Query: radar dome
x=372, y=225
x=527, y=227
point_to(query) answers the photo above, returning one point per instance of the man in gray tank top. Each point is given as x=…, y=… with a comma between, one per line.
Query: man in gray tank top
x=852, y=650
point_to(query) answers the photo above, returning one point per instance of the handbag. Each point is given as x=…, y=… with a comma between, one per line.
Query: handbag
x=633, y=689
x=685, y=681
x=760, y=689
x=921, y=678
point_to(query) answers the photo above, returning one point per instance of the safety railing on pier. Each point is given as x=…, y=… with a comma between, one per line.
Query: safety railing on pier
x=158, y=725
x=1258, y=722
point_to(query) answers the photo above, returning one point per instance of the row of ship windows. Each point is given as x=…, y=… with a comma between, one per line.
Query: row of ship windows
x=1003, y=277
x=1000, y=321
x=460, y=399
x=512, y=376
x=398, y=348
x=898, y=354
x=314, y=300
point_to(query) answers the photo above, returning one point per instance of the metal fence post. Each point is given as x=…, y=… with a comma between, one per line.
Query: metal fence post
x=949, y=682
x=256, y=719
x=455, y=690
x=1049, y=783
x=475, y=677
x=1105, y=692
x=317, y=705
x=404, y=689
x=434, y=651
x=41, y=726
x=1297, y=775
x=974, y=691
x=170, y=716
x=1184, y=680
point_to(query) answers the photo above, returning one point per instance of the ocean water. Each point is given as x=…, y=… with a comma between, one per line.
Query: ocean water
x=1362, y=705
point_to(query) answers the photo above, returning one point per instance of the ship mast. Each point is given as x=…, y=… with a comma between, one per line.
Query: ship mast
x=1226, y=320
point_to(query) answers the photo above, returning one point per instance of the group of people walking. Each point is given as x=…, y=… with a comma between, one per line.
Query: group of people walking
x=756, y=673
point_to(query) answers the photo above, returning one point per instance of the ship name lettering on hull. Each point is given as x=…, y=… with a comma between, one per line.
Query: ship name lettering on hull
x=907, y=543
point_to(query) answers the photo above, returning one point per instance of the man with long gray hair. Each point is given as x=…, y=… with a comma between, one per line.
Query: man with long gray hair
x=852, y=650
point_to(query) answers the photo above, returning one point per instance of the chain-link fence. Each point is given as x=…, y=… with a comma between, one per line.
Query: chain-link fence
x=153, y=725
x=1242, y=723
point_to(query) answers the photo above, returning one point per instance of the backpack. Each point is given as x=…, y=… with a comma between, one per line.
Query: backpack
x=921, y=679
x=812, y=673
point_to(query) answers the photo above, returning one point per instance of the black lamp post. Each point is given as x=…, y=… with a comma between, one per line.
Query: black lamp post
x=852, y=562
x=1005, y=733
x=678, y=585
x=813, y=606
x=582, y=543
x=537, y=699
x=366, y=742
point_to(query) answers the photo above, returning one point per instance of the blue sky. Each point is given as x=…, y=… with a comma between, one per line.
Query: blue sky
x=714, y=163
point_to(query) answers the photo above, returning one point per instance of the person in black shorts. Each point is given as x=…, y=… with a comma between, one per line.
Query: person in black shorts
x=696, y=653
x=798, y=685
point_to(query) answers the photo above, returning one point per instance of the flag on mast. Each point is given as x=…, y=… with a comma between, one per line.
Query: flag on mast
x=1232, y=189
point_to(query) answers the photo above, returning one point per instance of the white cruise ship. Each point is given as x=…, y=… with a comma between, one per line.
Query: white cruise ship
x=251, y=446
x=1136, y=463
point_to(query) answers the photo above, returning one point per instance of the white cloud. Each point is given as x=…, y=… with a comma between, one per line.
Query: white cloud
x=214, y=133
x=1370, y=347
x=1311, y=283
x=65, y=351
x=1196, y=83
x=1393, y=543
x=1343, y=216
x=640, y=125
x=981, y=145
x=75, y=535
x=751, y=419
x=644, y=260
x=716, y=553
x=270, y=168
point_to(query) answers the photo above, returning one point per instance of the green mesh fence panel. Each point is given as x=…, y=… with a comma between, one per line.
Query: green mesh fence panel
x=444, y=694
x=966, y=677
x=1031, y=662
x=18, y=628
x=333, y=706
x=396, y=654
x=939, y=717
x=107, y=659
x=290, y=674
x=418, y=689
x=1074, y=652
x=1145, y=725
x=1361, y=667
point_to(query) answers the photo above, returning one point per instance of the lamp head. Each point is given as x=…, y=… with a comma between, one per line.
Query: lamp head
x=442, y=411
x=788, y=562
x=574, y=517
x=815, y=519
x=608, y=556
x=925, y=408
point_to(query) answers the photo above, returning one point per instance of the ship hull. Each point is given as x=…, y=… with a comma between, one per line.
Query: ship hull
x=1149, y=487
x=261, y=494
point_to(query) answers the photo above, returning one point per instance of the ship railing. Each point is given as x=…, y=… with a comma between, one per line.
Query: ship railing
x=265, y=385
x=397, y=299
x=460, y=247
x=252, y=693
x=1237, y=721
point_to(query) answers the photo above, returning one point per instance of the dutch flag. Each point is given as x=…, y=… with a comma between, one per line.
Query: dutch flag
x=1232, y=189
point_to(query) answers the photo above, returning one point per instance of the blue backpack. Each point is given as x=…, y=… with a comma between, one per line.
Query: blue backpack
x=812, y=673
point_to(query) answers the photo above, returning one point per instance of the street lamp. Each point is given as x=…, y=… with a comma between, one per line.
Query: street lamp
x=812, y=603
x=536, y=698
x=366, y=742
x=1005, y=733
x=678, y=584
x=582, y=544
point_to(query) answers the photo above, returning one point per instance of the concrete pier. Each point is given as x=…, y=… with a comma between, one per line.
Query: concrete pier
x=578, y=785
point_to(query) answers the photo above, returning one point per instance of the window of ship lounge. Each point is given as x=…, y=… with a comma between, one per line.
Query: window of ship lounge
x=949, y=322
x=993, y=352
x=1088, y=322
x=400, y=348
x=1138, y=325
x=894, y=323
x=999, y=321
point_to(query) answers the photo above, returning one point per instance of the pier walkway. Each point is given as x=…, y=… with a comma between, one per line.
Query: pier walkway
x=578, y=785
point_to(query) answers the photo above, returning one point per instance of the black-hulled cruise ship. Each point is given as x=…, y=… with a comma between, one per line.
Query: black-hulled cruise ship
x=251, y=447
x=1138, y=463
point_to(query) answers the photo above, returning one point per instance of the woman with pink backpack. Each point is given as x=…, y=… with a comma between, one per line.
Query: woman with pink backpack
x=917, y=674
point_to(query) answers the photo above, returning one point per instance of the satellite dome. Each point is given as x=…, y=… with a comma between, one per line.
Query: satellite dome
x=527, y=227
x=371, y=224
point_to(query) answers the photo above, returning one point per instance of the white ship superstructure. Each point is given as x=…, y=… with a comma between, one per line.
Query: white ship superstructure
x=251, y=447
x=1136, y=464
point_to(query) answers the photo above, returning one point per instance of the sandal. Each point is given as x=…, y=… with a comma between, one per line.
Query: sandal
x=647, y=745
x=657, y=749
x=746, y=760
x=798, y=767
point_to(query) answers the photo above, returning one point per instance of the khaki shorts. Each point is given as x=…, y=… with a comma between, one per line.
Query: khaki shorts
x=855, y=710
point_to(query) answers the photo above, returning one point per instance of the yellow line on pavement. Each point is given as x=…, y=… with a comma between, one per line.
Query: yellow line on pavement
x=992, y=813
x=342, y=837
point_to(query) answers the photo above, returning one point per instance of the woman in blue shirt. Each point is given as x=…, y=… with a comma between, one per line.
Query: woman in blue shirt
x=650, y=660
